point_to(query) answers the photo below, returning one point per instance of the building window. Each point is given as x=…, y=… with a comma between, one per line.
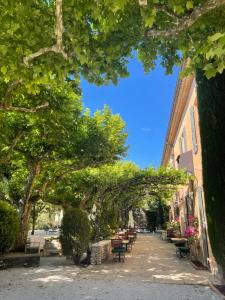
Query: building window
x=193, y=130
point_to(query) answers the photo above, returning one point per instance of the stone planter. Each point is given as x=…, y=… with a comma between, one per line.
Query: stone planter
x=100, y=252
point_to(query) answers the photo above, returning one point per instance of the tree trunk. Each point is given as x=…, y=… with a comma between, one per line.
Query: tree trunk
x=211, y=105
x=34, y=170
x=33, y=219
x=24, y=226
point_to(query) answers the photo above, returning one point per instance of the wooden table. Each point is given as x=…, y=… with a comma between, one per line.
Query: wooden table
x=179, y=240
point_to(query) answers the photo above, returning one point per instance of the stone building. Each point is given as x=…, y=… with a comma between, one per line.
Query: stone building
x=182, y=150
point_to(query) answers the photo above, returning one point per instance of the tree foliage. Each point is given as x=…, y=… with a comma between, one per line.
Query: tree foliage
x=109, y=192
x=37, y=149
x=95, y=38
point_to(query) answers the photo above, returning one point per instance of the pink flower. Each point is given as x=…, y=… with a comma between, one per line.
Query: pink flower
x=191, y=231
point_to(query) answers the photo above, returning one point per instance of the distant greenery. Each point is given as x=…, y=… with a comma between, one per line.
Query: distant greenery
x=9, y=226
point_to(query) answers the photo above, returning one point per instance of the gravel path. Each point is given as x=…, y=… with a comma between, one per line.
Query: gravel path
x=151, y=271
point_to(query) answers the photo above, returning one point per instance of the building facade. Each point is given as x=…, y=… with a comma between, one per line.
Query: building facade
x=182, y=150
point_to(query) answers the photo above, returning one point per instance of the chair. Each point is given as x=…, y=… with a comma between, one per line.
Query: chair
x=182, y=251
x=118, y=250
x=132, y=231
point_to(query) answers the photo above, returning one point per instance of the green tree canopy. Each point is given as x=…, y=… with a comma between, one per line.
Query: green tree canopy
x=94, y=38
x=109, y=192
x=38, y=148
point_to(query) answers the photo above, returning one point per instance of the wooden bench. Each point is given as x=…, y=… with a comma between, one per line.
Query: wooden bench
x=34, y=244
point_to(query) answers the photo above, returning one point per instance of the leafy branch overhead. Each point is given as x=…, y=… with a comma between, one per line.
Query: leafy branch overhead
x=89, y=186
x=96, y=38
x=58, y=47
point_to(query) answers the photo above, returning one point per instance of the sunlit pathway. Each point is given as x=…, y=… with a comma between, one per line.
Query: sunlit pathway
x=150, y=272
x=154, y=260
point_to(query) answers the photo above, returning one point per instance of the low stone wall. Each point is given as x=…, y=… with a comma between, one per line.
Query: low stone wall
x=100, y=252
x=27, y=260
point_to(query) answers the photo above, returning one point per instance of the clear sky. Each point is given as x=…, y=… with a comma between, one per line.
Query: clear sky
x=144, y=102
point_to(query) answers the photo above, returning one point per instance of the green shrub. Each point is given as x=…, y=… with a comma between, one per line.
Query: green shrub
x=9, y=226
x=75, y=233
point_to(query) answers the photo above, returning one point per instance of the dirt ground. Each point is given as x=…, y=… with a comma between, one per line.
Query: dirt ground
x=150, y=271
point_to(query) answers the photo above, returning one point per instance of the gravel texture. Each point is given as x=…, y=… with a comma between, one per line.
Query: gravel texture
x=150, y=271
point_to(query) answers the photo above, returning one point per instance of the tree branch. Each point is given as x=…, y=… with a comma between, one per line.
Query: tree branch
x=6, y=107
x=12, y=146
x=59, y=29
x=166, y=11
x=34, y=170
x=11, y=87
x=187, y=21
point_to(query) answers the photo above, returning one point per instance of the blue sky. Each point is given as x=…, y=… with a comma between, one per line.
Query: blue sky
x=144, y=102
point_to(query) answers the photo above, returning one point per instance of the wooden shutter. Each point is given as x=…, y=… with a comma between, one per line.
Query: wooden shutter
x=185, y=139
x=193, y=130
x=181, y=145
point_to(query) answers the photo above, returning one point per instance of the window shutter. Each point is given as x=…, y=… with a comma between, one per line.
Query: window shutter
x=193, y=130
x=180, y=145
x=185, y=139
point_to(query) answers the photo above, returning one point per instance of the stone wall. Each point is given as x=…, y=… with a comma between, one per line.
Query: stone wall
x=100, y=252
x=27, y=260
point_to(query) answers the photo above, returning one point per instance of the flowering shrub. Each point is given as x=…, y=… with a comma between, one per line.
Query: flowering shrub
x=191, y=233
x=173, y=225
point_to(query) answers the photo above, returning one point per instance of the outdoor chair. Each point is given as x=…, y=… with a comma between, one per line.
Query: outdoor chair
x=182, y=249
x=132, y=231
x=34, y=244
x=118, y=250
